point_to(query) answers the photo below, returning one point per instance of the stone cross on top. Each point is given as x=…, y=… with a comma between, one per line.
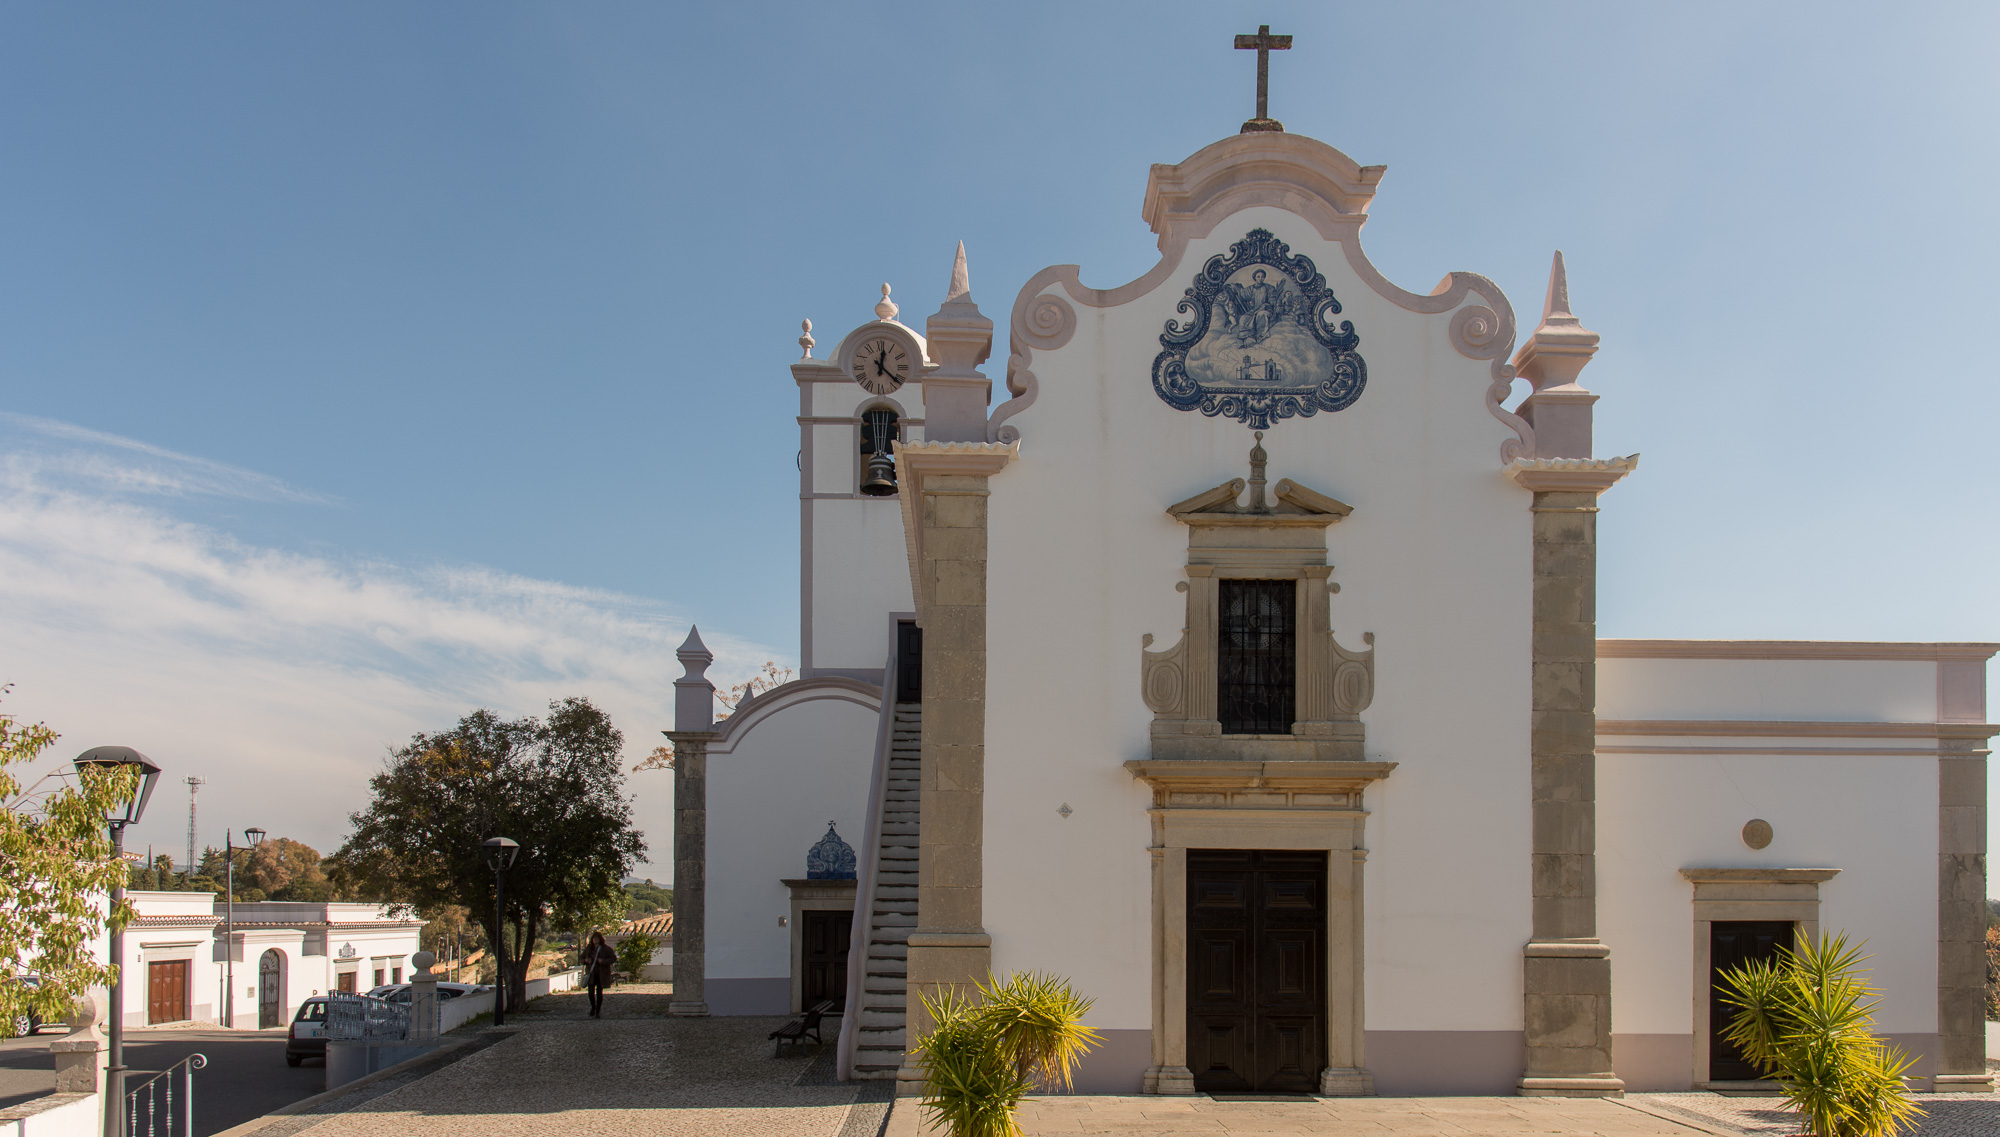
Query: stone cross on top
x=1263, y=43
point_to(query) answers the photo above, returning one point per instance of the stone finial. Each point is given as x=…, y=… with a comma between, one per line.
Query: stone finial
x=421, y=963
x=1258, y=459
x=806, y=340
x=885, y=308
x=1551, y=359
x=694, y=695
x=961, y=284
x=958, y=338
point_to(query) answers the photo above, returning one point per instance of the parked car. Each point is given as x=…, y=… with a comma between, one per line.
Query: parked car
x=307, y=1038
x=27, y=1022
x=400, y=992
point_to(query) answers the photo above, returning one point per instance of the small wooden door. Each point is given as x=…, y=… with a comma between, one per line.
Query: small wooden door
x=1732, y=943
x=344, y=983
x=167, y=992
x=1256, y=969
x=823, y=952
x=909, y=663
x=271, y=990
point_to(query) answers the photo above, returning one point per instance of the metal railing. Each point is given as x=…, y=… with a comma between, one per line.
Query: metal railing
x=152, y=1109
x=359, y=1018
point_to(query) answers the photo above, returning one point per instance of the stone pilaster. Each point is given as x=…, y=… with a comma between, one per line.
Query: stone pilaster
x=945, y=492
x=690, y=872
x=1566, y=971
x=694, y=715
x=1961, y=1059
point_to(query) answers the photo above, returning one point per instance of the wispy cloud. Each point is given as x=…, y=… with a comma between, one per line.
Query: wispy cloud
x=67, y=454
x=283, y=677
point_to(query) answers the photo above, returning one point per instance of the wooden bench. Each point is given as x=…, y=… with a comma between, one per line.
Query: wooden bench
x=795, y=1031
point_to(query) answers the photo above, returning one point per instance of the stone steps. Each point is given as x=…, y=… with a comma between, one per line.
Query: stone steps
x=879, y=1041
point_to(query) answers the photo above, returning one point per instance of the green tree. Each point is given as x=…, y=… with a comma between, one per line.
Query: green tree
x=56, y=866
x=635, y=952
x=644, y=898
x=555, y=785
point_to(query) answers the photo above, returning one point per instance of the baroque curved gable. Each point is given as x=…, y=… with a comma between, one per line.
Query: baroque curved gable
x=1304, y=177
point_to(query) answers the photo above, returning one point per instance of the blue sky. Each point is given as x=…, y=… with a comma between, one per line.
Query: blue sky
x=364, y=363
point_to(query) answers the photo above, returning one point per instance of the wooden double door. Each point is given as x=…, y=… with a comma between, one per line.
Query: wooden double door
x=1256, y=969
x=167, y=994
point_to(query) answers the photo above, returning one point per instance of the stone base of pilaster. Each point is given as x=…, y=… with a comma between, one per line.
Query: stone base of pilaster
x=689, y=1008
x=1353, y=1082
x=1598, y=1086
x=937, y=959
x=1170, y=1081
x=1567, y=1020
x=1962, y=1083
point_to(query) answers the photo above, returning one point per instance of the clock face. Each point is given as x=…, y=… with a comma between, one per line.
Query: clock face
x=880, y=364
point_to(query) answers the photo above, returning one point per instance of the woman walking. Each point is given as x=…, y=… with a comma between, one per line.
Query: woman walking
x=597, y=960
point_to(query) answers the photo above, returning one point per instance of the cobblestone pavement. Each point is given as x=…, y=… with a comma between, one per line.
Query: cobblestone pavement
x=1949, y=1115
x=633, y=1073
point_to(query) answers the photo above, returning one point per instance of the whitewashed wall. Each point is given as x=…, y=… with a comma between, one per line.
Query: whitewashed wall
x=1434, y=560
x=799, y=761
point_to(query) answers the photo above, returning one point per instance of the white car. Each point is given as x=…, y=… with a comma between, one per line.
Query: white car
x=400, y=992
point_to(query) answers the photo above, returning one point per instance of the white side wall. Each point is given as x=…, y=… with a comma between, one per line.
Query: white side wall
x=1434, y=560
x=771, y=791
x=1838, y=690
x=1873, y=818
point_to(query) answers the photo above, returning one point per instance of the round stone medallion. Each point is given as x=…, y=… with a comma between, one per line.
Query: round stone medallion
x=1757, y=833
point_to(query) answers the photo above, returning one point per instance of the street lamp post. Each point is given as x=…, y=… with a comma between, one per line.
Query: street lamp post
x=256, y=837
x=114, y=1074
x=500, y=853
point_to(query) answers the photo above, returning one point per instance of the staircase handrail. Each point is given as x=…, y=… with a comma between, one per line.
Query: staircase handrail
x=155, y=1117
x=866, y=867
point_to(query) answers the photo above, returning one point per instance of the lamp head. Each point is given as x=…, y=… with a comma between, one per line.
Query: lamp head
x=500, y=853
x=254, y=835
x=115, y=756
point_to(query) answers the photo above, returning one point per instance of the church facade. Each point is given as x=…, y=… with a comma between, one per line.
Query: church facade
x=1237, y=661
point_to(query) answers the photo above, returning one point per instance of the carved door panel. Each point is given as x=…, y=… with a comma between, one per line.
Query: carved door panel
x=1733, y=943
x=1256, y=964
x=167, y=992
x=823, y=952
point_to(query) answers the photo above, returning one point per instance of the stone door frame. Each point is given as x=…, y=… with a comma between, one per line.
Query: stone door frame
x=1292, y=805
x=1777, y=894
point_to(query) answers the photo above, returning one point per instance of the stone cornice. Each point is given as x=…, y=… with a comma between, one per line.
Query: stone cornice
x=1745, y=728
x=1792, y=649
x=1570, y=475
x=1307, y=776
x=1758, y=875
x=1292, y=171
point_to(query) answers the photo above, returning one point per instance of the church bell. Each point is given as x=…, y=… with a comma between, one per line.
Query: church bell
x=879, y=479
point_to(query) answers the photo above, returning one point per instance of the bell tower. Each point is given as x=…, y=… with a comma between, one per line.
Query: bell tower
x=884, y=385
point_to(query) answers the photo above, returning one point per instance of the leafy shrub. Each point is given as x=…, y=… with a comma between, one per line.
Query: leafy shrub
x=1993, y=974
x=984, y=1054
x=1807, y=1018
x=635, y=952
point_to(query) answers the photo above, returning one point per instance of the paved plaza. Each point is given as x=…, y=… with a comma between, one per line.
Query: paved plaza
x=638, y=1073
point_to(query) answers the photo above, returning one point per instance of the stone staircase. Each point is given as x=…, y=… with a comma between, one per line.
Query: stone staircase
x=879, y=1041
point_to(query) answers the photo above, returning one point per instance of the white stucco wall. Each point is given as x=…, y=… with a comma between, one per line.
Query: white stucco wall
x=1873, y=818
x=1844, y=690
x=1434, y=560
x=861, y=574
x=771, y=790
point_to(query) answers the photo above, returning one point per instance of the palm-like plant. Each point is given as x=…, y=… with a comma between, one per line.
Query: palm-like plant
x=985, y=1053
x=1807, y=1018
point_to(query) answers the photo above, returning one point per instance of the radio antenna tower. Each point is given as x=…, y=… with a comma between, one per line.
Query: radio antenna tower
x=194, y=785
